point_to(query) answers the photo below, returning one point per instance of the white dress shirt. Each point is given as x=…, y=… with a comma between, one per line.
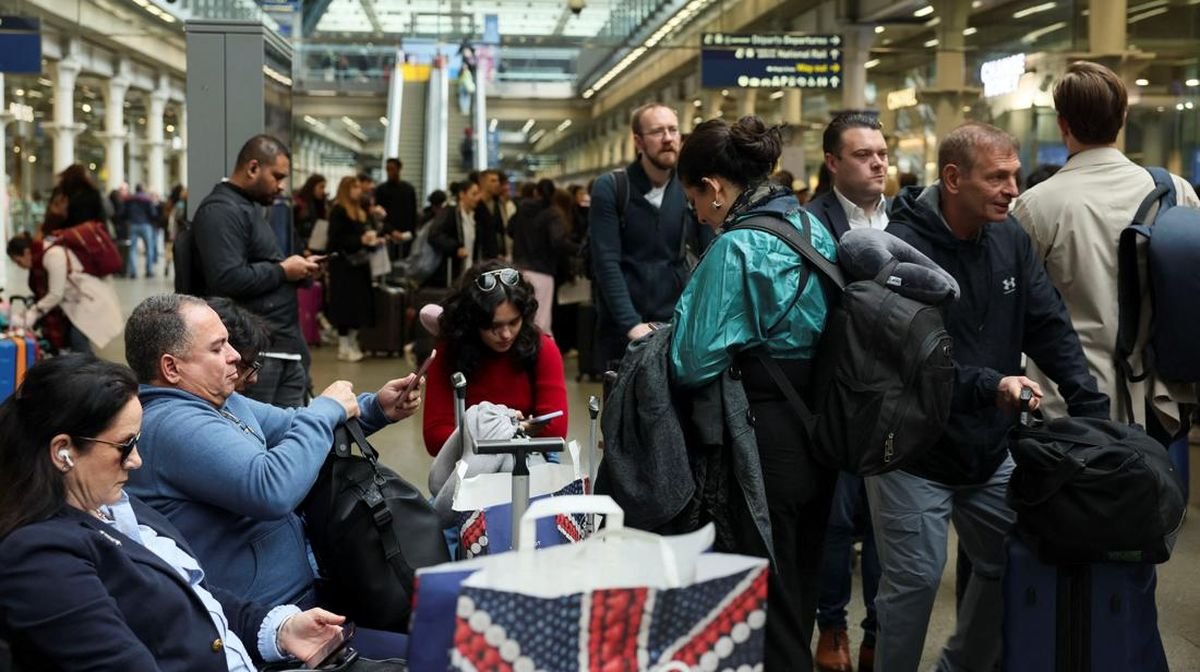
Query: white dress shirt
x=858, y=218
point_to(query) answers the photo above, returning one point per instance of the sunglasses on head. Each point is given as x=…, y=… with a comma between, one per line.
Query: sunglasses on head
x=489, y=280
x=126, y=447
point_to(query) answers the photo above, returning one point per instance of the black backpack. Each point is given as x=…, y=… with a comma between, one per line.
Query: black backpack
x=1092, y=490
x=621, y=180
x=883, y=374
x=370, y=531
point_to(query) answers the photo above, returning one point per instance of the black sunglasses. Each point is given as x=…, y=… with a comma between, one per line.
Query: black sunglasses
x=254, y=367
x=126, y=447
x=487, y=280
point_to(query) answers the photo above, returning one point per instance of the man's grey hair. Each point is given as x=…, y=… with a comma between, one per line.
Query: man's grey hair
x=157, y=328
x=963, y=144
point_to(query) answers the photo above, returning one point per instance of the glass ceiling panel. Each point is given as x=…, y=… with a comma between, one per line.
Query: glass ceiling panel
x=532, y=18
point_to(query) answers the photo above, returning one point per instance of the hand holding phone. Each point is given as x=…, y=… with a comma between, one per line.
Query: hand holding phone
x=333, y=650
x=420, y=373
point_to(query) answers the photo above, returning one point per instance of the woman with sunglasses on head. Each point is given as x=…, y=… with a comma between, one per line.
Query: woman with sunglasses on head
x=487, y=332
x=745, y=305
x=91, y=578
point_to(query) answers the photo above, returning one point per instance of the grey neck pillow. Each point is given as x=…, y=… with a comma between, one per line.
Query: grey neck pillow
x=864, y=253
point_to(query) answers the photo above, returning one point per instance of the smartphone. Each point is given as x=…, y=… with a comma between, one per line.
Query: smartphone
x=331, y=649
x=543, y=419
x=420, y=374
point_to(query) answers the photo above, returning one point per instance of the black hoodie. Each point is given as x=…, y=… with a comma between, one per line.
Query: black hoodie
x=1008, y=306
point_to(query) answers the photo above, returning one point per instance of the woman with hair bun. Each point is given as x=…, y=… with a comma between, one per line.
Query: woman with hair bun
x=750, y=299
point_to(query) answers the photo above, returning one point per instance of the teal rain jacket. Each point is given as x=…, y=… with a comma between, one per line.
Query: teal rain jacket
x=743, y=294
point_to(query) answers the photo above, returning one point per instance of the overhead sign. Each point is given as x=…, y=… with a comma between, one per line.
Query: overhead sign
x=21, y=112
x=902, y=98
x=20, y=45
x=1002, y=75
x=770, y=60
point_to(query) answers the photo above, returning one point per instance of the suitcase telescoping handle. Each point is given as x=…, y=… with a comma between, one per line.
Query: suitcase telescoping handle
x=519, y=448
x=1026, y=415
x=592, y=462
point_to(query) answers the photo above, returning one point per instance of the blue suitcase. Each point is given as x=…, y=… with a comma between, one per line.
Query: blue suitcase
x=10, y=373
x=1098, y=617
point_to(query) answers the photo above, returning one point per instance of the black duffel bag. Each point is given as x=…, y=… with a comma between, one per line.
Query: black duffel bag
x=370, y=530
x=1092, y=490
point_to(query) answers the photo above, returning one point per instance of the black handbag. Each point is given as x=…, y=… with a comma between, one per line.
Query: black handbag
x=1092, y=490
x=370, y=531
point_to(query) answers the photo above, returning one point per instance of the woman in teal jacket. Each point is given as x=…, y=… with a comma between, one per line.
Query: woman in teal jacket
x=751, y=298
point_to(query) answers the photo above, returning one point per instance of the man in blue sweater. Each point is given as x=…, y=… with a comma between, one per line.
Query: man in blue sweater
x=229, y=471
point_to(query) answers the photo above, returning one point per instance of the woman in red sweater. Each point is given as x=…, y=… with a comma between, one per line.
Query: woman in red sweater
x=487, y=333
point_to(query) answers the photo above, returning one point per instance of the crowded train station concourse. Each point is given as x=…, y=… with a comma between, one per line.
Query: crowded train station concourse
x=796, y=336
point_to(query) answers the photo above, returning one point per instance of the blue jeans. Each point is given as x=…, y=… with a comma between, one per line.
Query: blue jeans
x=849, y=499
x=149, y=236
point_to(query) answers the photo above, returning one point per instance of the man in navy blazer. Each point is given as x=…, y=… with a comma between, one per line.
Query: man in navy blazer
x=857, y=160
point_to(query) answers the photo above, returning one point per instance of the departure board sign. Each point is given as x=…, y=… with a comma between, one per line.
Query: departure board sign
x=20, y=45
x=770, y=60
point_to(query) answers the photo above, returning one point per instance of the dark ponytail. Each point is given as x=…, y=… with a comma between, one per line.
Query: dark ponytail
x=744, y=152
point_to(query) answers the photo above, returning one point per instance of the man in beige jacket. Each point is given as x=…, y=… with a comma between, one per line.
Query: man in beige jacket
x=1075, y=219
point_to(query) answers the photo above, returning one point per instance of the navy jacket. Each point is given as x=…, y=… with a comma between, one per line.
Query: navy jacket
x=235, y=254
x=1008, y=306
x=76, y=594
x=828, y=209
x=639, y=272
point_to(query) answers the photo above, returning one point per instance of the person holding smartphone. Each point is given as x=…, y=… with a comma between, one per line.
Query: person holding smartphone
x=487, y=332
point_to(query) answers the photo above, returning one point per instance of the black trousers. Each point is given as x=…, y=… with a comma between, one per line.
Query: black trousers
x=799, y=495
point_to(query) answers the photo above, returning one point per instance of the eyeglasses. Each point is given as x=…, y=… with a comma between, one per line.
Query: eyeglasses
x=127, y=447
x=253, y=367
x=487, y=281
x=661, y=132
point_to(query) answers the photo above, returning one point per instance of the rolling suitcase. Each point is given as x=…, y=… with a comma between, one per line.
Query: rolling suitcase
x=1097, y=617
x=311, y=300
x=387, y=335
x=585, y=343
x=17, y=354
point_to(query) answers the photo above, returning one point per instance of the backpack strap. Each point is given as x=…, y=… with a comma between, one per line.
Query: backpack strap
x=789, y=391
x=370, y=494
x=802, y=244
x=621, y=181
x=1129, y=283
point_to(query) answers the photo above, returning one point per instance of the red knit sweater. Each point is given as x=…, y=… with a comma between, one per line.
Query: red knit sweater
x=499, y=380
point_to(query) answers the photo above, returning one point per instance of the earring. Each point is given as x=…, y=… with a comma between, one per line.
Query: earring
x=717, y=205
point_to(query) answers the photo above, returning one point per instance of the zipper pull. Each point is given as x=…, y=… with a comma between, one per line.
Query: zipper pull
x=889, y=447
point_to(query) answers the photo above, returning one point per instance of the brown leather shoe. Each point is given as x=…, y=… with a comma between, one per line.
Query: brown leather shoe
x=866, y=658
x=833, y=651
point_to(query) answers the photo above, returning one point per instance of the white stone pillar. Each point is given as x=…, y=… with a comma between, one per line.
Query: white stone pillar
x=747, y=99
x=481, y=120
x=4, y=204
x=181, y=121
x=856, y=50
x=114, y=128
x=65, y=129
x=156, y=104
x=136, y=174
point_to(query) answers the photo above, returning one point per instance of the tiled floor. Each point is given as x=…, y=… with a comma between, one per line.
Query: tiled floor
x=402, y=448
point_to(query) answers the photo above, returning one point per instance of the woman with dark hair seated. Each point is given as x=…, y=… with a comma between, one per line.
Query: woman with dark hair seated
x=92, y=579
x=752, y=301
x=488, y=333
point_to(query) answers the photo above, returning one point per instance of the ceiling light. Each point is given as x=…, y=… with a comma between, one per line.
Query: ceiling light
x=33, y=158
x=1160, y=108
x=931, y=43
x=1142, y=81
x=86, y=108
x=879, y=29
x=19, y=92
x=45, y=82
x=537, y=136
x=91, y=166
x=976, y=4
x=1189, y=105
x=566, y=123
x=1030, y=11
x=724, y=92
x=967, y=32
x=170, y=128
x=1146, y=5
x=494, y=123
x=1179, y=106
x=528, y=125
x=1036, y=35
x=871, y=63
x=383, y=120
x=1193, y=82
x=966, y=108
x=1147, y=15
x=777, y=95
x=697, y=103
x=589, y=93
x=923, y=12
x=933, y=22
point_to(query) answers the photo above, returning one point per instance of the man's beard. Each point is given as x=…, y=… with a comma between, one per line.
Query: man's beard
x=658, y=163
